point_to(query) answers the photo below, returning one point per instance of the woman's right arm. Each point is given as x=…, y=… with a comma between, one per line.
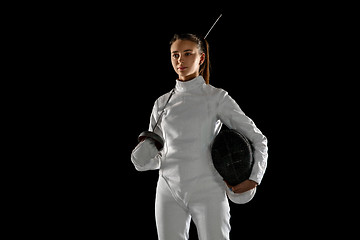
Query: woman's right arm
x=145, y=156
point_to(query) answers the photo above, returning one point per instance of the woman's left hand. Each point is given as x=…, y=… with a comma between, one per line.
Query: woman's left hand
x=243, y=186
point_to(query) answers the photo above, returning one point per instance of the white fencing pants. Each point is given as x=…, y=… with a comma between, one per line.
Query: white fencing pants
x=211, y=215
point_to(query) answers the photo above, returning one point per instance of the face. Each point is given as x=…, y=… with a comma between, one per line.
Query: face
x=186, y=59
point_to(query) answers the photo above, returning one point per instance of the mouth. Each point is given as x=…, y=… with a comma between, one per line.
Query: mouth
x=182, y=68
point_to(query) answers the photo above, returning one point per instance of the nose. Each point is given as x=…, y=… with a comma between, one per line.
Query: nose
x=180, y=59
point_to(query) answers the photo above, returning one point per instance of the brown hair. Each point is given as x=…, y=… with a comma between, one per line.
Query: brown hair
x=203, y=47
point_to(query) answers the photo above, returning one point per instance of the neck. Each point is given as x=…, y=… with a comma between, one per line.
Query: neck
x=188, y=77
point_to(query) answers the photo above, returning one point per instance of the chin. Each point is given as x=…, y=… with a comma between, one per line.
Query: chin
x=185, y=74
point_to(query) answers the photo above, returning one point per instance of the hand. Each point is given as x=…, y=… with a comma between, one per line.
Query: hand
x=243, y=186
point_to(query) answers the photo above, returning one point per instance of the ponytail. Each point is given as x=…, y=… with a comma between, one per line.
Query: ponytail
x=205, y=67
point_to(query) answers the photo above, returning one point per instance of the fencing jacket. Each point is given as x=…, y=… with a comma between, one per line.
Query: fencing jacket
x=190, y=121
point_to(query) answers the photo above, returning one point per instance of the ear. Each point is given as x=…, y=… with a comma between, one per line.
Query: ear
x=202, y=58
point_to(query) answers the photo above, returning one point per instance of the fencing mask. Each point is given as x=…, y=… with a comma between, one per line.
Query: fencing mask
x=232, y=156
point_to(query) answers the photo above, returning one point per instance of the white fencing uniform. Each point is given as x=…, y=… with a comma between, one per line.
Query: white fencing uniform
x=189, y=186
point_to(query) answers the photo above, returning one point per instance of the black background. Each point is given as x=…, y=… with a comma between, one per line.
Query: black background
x=104, y=66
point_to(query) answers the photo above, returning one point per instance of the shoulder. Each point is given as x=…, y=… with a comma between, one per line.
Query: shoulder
x=218, y=93
x=163, y=98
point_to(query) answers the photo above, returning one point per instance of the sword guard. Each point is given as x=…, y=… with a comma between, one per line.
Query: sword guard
x=159, y=142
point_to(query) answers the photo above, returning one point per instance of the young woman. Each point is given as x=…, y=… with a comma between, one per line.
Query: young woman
x=189, y=187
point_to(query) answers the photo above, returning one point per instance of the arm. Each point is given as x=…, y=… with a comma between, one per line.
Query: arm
x=232, y=116
x=145, y=156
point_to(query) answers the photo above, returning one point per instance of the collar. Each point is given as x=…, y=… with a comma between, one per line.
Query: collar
x=193, y=83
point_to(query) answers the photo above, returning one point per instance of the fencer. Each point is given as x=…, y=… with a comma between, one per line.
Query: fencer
x=189, y=187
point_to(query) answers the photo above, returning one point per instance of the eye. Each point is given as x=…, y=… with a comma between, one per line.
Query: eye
x=175, y=55
x=187, y=54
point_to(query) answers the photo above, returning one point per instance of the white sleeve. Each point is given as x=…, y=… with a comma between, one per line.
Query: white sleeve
x=145, y=156
x=154, y=118
x=233, y=117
